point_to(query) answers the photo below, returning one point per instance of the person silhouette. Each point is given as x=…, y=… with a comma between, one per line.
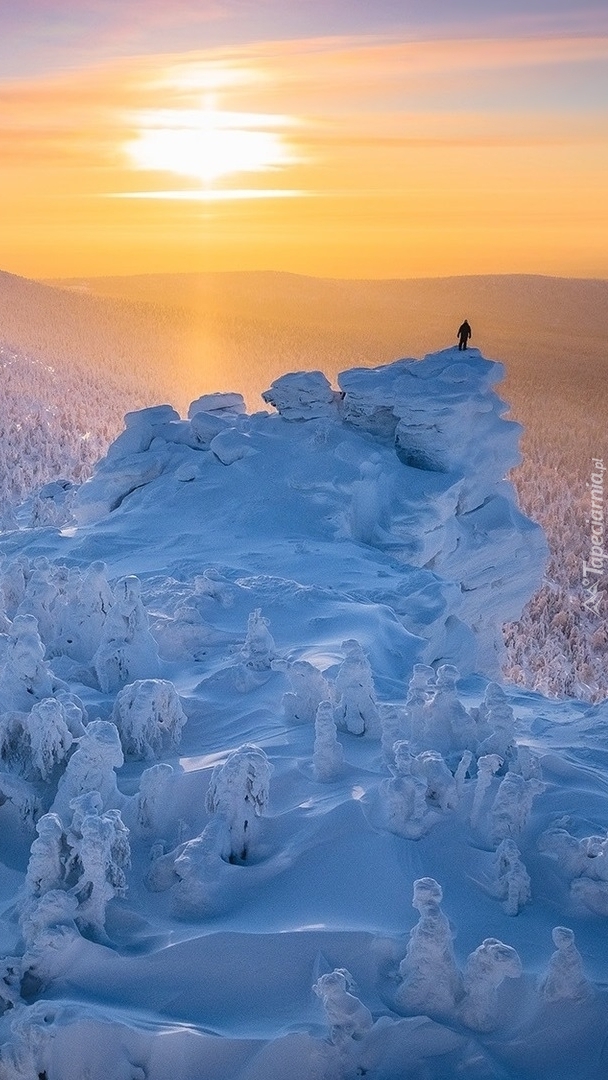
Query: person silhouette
x=464, y=333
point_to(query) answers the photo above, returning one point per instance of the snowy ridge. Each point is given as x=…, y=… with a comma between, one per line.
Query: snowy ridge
x=253, y=824
x=408, y=460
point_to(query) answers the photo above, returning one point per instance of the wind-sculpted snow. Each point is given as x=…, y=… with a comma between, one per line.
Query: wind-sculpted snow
x=327, y=470
x=246, y=723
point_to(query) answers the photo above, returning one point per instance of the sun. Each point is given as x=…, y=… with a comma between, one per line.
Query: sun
x=209, y=144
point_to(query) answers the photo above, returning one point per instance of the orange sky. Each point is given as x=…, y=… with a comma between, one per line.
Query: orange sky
x=360, y=156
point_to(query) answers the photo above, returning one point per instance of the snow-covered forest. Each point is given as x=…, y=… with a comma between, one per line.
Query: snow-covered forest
x=74, y=363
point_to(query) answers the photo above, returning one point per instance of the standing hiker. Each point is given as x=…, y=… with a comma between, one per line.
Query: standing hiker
x=464, y=333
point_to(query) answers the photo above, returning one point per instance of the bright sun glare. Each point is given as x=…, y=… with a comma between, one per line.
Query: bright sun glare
x=208, y=144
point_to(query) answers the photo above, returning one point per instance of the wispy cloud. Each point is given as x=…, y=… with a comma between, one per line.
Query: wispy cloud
x=388, y=135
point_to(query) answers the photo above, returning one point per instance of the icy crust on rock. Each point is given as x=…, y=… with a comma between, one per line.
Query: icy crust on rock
x=445, y=417
x=407, y=459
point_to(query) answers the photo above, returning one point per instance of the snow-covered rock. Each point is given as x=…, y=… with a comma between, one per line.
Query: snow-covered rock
x=302, y=395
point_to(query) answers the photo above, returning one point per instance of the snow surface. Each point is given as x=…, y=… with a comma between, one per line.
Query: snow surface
x=344, y=864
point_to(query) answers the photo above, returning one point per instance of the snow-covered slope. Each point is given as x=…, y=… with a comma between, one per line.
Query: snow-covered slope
x=227, y=779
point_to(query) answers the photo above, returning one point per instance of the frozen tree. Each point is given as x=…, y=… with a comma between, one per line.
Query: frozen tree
x=393, y=730
x=487, y=766
x=74, y=712
x=308, y=689
x=35, y=743
x=153, y=795
x=27, y=677
x=404, y=798
x=46, y=868
x=259, y=648
x=526, y=763
x=512, y=806
x=24, y=1056
x=511, y=877
x=104, y=856
x=494, y=695
x=82, y=617
x=328, y=755
x=238, y=793
x=441, y=790
x=565, y=978
x=149, y=716
x=197, y=870
x=10, y=983
x=40, y=599
x=431, y=980
x=420, y=690
x=127, y=651
x=461, y=772
x=15, y=574
x=91, y=768
x=568, y=852
x=584, y=860
x=48, y=735
x=42, y=915
x=347, y=1017
x=486, y=968
x=449, y=727
x=356, y=710
x=498, y=717
x=22, y=795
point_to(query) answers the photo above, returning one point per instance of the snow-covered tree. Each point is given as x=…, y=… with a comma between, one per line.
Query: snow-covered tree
x=487, y=766
x=487, y=967
x=15, y=575
x=127, y=651
x=149, y=717
x=512, y=806
x=356, y=709
x=82, y=613
x=565, y=978
x=404, y=797
x=259, y=649
x=27, y=677
x=238, y=792
x=153, y=796
x=420, y=690
x=91, y=768
x=511, y=878
x=347, y=1017
x=308, y=689
x=46, y=868
x=48, y=735
x=441, y=789
x=431, y=982
x=448, y=726
x=392, y=720
x=497, y=716
x=328, y=755
x=103, y=856
x=40, y=600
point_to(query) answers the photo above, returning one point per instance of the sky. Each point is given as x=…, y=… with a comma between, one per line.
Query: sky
x=403, y=138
